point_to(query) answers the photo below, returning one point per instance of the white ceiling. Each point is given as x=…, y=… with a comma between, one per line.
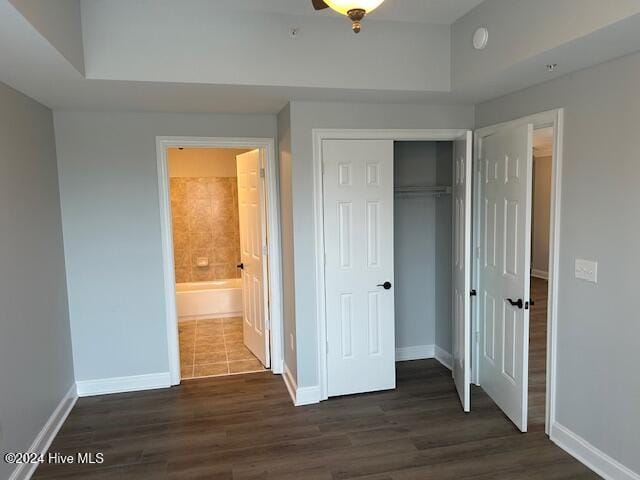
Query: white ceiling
x=443, y=12
x=35, y=66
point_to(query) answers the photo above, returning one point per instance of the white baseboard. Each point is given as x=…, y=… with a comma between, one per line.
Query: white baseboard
x=43, y=440
x=277, y=367
x=540, y=274
x=422, y=352
x=417, y=352
x=134, y=383
x=595, y=459
x=444, y=357
x=300, y=395
x=190, y=318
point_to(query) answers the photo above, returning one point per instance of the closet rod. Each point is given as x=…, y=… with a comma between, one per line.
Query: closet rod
x=422, y=190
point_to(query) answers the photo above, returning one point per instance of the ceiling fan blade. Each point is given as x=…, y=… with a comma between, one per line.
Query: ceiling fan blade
x=319, y=4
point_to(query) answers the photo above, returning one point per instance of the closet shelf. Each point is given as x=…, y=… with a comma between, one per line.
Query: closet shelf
x=422, y=190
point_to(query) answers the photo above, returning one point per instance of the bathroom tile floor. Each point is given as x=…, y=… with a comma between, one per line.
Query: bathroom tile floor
x=213, y=347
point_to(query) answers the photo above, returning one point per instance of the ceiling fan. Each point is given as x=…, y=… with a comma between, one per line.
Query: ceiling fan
x=354, y=9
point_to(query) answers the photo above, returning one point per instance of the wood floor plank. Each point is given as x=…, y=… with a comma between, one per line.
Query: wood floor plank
x=245, y=428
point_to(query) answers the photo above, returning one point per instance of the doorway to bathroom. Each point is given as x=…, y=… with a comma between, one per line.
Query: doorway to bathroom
x=221, y=255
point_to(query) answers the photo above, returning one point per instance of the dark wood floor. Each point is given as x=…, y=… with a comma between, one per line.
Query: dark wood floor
x=538, y=355
x=245, y=427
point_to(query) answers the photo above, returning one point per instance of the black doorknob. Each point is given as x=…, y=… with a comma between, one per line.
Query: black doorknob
x=240, y=266
x=518, y=303
x=385, y=285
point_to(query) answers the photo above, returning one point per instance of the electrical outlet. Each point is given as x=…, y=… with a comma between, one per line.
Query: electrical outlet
x=587, y=270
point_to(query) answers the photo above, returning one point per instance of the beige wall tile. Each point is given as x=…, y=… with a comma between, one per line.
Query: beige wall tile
x=205, y=224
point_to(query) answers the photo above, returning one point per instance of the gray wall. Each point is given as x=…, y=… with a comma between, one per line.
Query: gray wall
x=444, y=244
x=414, y=163
x=598, y=386
x=36, y=366
x=60, y=23
x=286, y=222
x=541, y=214
x=111, y=219
x=305, y=116
x=524, y=34
x=422, y=246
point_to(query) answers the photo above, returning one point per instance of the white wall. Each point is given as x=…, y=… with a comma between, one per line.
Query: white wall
x=111, y=220
x=598, y=386
x=305, y=116
x=189, y=41
x=203, y=162
x=541, y=214
x=36, y=366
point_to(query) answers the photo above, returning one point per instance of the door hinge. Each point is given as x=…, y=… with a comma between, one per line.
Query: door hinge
x=262, y=173
x=325, y=258
x=265, y=250
x=478, y=251
x=322, y=169
x=477, y=337
x=327, y=345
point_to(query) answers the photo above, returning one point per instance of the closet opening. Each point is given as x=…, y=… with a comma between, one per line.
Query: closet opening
x=423, y=222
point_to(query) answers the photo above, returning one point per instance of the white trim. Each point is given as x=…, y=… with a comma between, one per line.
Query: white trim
x=423, y=352
x=555, y=119
x=189, y=318
x=444, y=357
x=416, y=352
x=539, y=274
x=45, y=436
x=320, y=134
x=592, y=457
x=133, y=383
x=307, y=395
x=290, y=383
x=275, y=320
x=300, y=395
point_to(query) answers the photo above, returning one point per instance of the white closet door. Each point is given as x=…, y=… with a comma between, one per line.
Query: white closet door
x=461, y=309
x=252, y=246
x=506, y=159
x=358, y=227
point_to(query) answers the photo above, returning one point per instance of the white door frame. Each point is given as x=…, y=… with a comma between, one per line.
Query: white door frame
x=555, y=119
x=275, y=315
x=347, y=134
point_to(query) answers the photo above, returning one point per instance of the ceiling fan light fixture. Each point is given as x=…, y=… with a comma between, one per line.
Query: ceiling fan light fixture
x=354, y=9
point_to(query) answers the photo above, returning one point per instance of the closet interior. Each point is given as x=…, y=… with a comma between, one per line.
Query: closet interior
x=423, y=176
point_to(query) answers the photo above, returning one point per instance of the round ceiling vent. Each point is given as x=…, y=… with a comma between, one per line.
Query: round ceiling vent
x=480, y=38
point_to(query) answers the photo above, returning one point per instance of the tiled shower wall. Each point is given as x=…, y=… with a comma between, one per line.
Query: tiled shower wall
x=205, y=225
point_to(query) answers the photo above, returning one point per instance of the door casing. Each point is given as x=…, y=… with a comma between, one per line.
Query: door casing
x=347, y=134
x=555, y=119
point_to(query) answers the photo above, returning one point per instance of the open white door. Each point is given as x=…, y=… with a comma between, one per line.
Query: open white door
x=358, y=229
x=506, y=158
x=253, y=243
x=462, y=171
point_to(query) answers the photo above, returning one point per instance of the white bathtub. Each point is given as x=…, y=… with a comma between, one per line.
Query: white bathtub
x=216, y=299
